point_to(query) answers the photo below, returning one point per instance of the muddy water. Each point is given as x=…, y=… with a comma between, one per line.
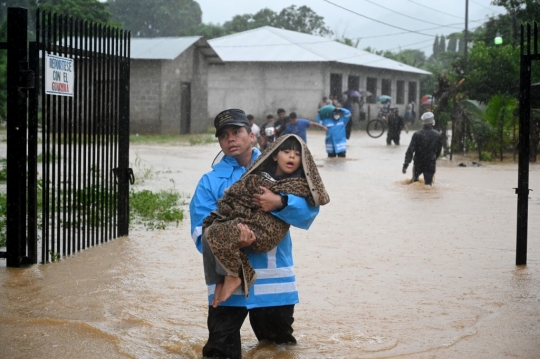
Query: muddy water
x=388, y=270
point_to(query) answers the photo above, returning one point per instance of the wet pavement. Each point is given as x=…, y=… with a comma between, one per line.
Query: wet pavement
x=388, y=270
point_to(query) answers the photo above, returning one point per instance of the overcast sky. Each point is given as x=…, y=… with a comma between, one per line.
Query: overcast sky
x=374, y=19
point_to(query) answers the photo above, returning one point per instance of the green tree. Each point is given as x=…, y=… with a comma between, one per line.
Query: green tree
x=208, y=31
x=500, y=115
x=461, y=45
x=410, y=57
x=452, y=44
x=519, y=11
x=154, y=18
x=375, y=51
x=442, y=45
x=12, y=3
x=349, y=42
x=436, y=48
x=492, y=71
x=90, y=10
x=301, y=19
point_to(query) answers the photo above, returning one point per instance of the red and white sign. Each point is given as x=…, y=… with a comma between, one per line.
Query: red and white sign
x=59, y=75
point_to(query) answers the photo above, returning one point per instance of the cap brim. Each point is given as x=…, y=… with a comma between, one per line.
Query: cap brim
x=237, y=124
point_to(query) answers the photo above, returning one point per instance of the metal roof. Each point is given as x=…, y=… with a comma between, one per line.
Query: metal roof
x=169, y=48
x=269, y=44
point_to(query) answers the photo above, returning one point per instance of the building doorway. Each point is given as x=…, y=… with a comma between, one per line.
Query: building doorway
x=185, y=108
x=336, y=86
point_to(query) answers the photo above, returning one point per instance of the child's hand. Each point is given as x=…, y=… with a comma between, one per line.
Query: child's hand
x=268, y=201
x=247, y=237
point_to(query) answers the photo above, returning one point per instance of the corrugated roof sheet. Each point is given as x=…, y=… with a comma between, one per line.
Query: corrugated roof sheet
x=269, y=44
x=169, y=48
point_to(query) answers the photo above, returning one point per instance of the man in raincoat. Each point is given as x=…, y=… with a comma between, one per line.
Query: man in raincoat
x=395, y=125
x=274, y=293
x=335, y=120
x=426, y=147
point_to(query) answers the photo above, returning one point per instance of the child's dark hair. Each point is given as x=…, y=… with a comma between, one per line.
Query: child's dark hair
x=290, y=143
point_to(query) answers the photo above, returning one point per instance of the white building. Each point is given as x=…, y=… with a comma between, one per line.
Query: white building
x=268, y=68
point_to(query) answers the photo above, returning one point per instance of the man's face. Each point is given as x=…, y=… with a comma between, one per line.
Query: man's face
x=293, y=120
x=235, y=141
x=281, y=115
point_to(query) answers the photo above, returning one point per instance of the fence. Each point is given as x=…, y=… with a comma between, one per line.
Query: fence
x=72, y=89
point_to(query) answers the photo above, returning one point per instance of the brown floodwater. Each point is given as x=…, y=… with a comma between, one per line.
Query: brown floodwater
x=387, y=270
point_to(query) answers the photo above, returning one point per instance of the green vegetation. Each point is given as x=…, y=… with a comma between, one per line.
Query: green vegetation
x=301, y=19
x=478, y=95
x=3, y=170
x=155, y=18
x=155, y=210
x=192, y=139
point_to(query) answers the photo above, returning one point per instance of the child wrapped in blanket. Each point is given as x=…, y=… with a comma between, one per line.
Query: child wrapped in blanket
x=286, y=167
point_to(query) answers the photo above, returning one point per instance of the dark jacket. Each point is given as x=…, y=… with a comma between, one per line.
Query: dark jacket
x=426, y=145
x=395, y=124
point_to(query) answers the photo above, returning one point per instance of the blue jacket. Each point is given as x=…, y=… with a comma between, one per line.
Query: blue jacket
x=276, y=281
x=336, y=136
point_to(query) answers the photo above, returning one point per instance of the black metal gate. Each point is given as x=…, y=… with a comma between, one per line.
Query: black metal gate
x=529, y=53
x=67, y=136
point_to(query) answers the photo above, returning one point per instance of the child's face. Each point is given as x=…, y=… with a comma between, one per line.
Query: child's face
x=288, y=161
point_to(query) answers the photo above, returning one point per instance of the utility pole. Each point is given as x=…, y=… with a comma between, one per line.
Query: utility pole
x=466, y=37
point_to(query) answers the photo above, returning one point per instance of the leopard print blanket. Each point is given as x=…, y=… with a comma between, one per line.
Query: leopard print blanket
x=236, y=206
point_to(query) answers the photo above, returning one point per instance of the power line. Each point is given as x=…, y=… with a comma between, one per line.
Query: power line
x=485, y=7
x=384, y=23
x=406, y=32
x=380, y=22
x=402, y=14
x=442, y=12
x=366, y=53
x=331, y=40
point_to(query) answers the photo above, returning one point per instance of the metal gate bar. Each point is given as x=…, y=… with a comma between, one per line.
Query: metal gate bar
x=527, y=56
x=80, y=136
x=16, y=138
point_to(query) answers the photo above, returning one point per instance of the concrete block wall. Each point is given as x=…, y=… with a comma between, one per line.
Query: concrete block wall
x=262, y=88
x=155, y=98
x=145, y=96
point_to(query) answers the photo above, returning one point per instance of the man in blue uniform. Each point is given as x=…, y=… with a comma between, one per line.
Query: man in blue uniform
x=272, y=298
x=335, y=120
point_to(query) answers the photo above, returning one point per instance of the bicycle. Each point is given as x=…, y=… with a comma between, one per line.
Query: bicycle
x=375, y=128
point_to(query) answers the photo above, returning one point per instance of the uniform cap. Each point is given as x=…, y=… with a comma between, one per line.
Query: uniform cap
x=231, y=117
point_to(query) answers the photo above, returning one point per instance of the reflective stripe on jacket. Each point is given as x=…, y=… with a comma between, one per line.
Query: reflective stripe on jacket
x=276, y=281
x=336, y=139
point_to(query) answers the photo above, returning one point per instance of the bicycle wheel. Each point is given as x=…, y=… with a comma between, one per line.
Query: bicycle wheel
x=375, y=128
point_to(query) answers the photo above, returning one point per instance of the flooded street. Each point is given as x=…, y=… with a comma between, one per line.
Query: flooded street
x=387, y=270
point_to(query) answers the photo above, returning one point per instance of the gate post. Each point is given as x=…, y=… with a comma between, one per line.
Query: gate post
x=125, y=174
x=526, y=58
x=17, y=47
